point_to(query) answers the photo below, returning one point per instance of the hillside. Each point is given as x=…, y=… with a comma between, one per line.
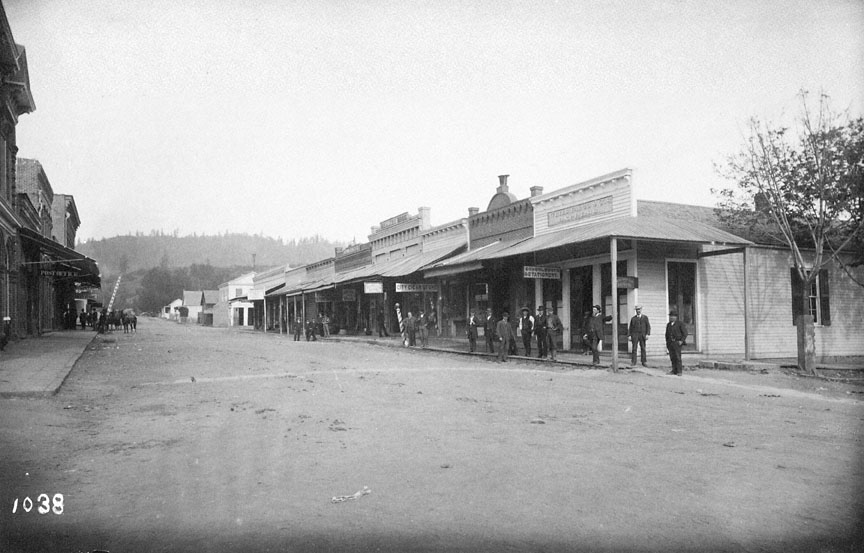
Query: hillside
x=126, y=254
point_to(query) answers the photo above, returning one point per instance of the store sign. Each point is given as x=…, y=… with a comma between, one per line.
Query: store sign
x=412, y=287
x=373, y=287
x=255, y=294
x=586, y=210
x=542, y=272
x=349, y=294
x=46, y=272
x=324, y=297
x=628, y=282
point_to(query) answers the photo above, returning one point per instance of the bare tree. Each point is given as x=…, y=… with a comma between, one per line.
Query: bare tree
x=803, y=190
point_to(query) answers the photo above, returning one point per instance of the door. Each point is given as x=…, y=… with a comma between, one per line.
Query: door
x=681, y=284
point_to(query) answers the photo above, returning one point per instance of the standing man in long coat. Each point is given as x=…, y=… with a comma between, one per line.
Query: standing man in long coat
x=505, y=336
x=472, y=332
x=676, y=336
x=639, y=330
x=540, y=326
x=489, y=330
x=595, y=333
x=526, y=329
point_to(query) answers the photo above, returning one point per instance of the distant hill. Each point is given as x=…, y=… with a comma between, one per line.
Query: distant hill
x=127, y=254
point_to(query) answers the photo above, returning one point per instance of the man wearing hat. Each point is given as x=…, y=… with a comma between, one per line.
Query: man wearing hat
x=638, y=331
x=594, y=333
x=526, y=328
x=676, y=336
x=540, y=327
x=489, y=331
x=505, y=336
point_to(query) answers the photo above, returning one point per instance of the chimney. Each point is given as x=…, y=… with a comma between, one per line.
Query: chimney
x=425, y=217
x=502, y=184
x=536, y=191
x=472, y=211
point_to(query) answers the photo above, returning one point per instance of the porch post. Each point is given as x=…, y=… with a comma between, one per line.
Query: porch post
x=564, y=312
x=746, y=312
x=613, y=254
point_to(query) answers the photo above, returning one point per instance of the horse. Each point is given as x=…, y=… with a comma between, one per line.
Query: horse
x=130, y=322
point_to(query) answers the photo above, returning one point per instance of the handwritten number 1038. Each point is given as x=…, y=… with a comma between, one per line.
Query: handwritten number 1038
x=44, y=504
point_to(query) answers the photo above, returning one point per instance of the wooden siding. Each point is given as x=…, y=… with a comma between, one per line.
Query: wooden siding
x=774, y=335
x=721, y=299
x=617, y=185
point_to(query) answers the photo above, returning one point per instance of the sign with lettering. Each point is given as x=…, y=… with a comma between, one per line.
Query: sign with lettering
x=413, y=287
x=586, y=210
x=552, y=273
x=373, y=287
x=255, y=294
x=349, y=294
x=47, y=272
x=324, y=296
x=628, y=282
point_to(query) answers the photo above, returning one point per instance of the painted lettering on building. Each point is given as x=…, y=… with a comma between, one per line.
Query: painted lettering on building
x=541, y=272
x=58, y=273
x=373, y=287
x=578, y=212
x=414, y=287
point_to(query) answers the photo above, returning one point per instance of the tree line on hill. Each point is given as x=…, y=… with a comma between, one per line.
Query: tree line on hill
x=156, y=268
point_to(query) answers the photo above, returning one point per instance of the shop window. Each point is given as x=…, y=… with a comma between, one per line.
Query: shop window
x=815, y=301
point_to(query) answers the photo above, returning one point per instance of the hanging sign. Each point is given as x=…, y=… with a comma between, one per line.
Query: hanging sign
x=542, y=272
x=47, y=272
x=349, y=294
x=414, y=287
x=628, y=282
x=373, y=287
x=255, y=294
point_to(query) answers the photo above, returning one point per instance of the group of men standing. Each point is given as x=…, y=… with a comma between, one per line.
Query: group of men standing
x=545, y=328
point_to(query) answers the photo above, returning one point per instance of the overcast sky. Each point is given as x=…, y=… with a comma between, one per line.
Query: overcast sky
x=295, y=118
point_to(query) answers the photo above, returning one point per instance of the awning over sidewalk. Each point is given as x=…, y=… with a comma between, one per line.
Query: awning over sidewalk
x=658, y=229
x=470, y=260
x=65, y=263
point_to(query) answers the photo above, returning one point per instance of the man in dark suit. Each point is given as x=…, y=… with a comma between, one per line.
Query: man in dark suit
x=540, y=328
x=676, y=336
x=504, y=330
x=594, y=333
x=472, y=332
x=639, y=330
x=526, y=328
x=489, y=330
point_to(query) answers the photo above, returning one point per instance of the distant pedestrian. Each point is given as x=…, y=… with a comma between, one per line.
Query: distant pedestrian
x=298, y=329
x=676, y=337
x=382, y=327
x=411, y=329
x=325, y=325
x=82, y=318
x=639, y=330
x=553, y=331
x=423, y=328
x=472, y=332
x=506, y=337
x=526, y=329
x=489, y=331
x=540, y=329
x=310, y=331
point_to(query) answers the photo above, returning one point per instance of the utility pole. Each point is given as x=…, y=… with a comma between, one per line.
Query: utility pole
x=114, y=293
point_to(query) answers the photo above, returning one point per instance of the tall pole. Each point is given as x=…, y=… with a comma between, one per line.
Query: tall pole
x=613, y=254
x=746, y=312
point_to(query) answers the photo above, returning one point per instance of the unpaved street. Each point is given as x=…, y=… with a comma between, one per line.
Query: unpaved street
x=182, y=438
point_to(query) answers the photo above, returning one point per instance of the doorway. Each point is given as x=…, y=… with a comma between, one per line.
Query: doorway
x=681, y=285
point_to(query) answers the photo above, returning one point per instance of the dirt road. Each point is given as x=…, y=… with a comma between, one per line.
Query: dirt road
x=182, y=438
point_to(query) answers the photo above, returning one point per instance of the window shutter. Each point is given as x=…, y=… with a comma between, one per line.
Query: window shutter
x=797, y=295
x=824, y=305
